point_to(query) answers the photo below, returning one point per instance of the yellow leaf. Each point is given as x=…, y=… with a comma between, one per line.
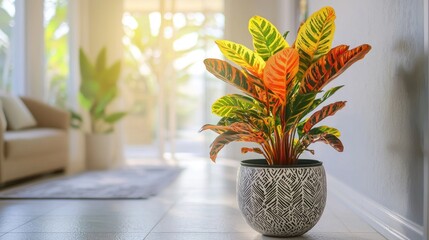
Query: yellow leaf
x=242, y=56
x=315, y=38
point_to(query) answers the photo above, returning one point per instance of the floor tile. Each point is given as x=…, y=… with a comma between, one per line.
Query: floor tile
x=154, y=208
x=9, y=223
x=347, y=217
x=85, y=223
x=329, y=223
x=73, y=236
x=28, y=207
x=199, y=217
x=201, y=236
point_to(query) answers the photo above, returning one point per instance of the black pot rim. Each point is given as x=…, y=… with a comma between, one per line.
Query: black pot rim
x=262, y=163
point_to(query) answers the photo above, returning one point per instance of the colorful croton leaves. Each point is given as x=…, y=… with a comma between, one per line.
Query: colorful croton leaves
x=282, y=85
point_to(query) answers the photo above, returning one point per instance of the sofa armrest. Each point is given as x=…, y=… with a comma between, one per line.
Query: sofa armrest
x=46, y=115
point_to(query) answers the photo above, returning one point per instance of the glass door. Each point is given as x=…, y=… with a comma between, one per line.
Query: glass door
x=166, y=84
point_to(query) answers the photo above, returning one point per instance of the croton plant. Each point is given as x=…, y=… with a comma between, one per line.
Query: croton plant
x=282, y=85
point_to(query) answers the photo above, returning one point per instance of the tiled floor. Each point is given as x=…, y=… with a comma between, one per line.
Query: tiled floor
x=199, y=205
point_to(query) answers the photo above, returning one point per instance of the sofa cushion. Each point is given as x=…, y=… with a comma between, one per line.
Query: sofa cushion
x=37, y=141
x=17, y=114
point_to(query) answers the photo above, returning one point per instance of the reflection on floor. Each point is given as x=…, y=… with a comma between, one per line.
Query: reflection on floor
x=199, y=205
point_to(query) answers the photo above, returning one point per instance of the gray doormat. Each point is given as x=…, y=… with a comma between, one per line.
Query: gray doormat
x=134, y=182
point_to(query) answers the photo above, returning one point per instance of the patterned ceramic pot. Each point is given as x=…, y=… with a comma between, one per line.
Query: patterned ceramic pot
x=281, y=201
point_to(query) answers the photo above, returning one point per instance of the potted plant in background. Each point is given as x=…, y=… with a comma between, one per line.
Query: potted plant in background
x=98, y=90
x=281, y=195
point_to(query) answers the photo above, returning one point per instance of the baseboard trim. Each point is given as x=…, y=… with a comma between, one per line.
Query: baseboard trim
x=390, y=224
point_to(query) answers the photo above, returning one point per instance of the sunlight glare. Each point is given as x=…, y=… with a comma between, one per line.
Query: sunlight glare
x=155, y=23
x=168, y=32
x=186, y=42
x=62, y=30
x=129, y=21
x=9, y=6
x=179, y=20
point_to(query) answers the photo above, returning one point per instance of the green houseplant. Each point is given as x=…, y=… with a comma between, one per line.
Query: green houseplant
x=99, y=87
x=98, y=90
x=283, y=93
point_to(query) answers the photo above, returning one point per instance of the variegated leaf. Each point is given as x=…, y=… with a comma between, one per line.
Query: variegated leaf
x=330, y=139
x=325, y=96
x=222, y=140
x=267, y=40
x=320, y=71
x=240, y=127
x=318, y=116
x=280, y=71
x=334, y=142
x=345, y=61
x=242, y=56
x=226, y=105
x=315, y=38
x=255, y=150
x=330, y=92
x=330, y=66
x=246, y=128
x=219, y=129
x=226, y=121
x=228, y=137
x=229, y=74
x=325, y=130
x=299, y=106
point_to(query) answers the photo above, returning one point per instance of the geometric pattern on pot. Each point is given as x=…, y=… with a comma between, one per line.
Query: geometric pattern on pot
x=281, y=202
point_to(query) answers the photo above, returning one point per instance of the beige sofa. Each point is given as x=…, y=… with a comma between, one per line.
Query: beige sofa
x=37, y=150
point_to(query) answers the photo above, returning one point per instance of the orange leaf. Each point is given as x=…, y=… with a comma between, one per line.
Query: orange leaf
x=280, y=71
x=330, y=66
x=318, y=116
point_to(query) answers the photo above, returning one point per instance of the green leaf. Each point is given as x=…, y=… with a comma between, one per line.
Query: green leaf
x=299, y=106
x=325, y=96
x=84, y=102
x=315, y=38
x=326, y=130
x=100, y=64
x=226, y=121
x=242, y=56
x=87, y=70
x=266, y=38
x=330, y=92
x=228, y=104
x=75, y=119
x=114, y=117
x=285, y=34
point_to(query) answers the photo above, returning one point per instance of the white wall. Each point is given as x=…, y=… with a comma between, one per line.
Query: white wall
x=382, y=124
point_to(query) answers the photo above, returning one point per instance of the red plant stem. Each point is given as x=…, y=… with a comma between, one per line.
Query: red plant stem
x=292, y=136
x=285, y=146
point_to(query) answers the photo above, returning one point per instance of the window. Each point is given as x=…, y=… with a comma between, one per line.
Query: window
x=7, y=14
x=166, y=85
x=56, y=51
